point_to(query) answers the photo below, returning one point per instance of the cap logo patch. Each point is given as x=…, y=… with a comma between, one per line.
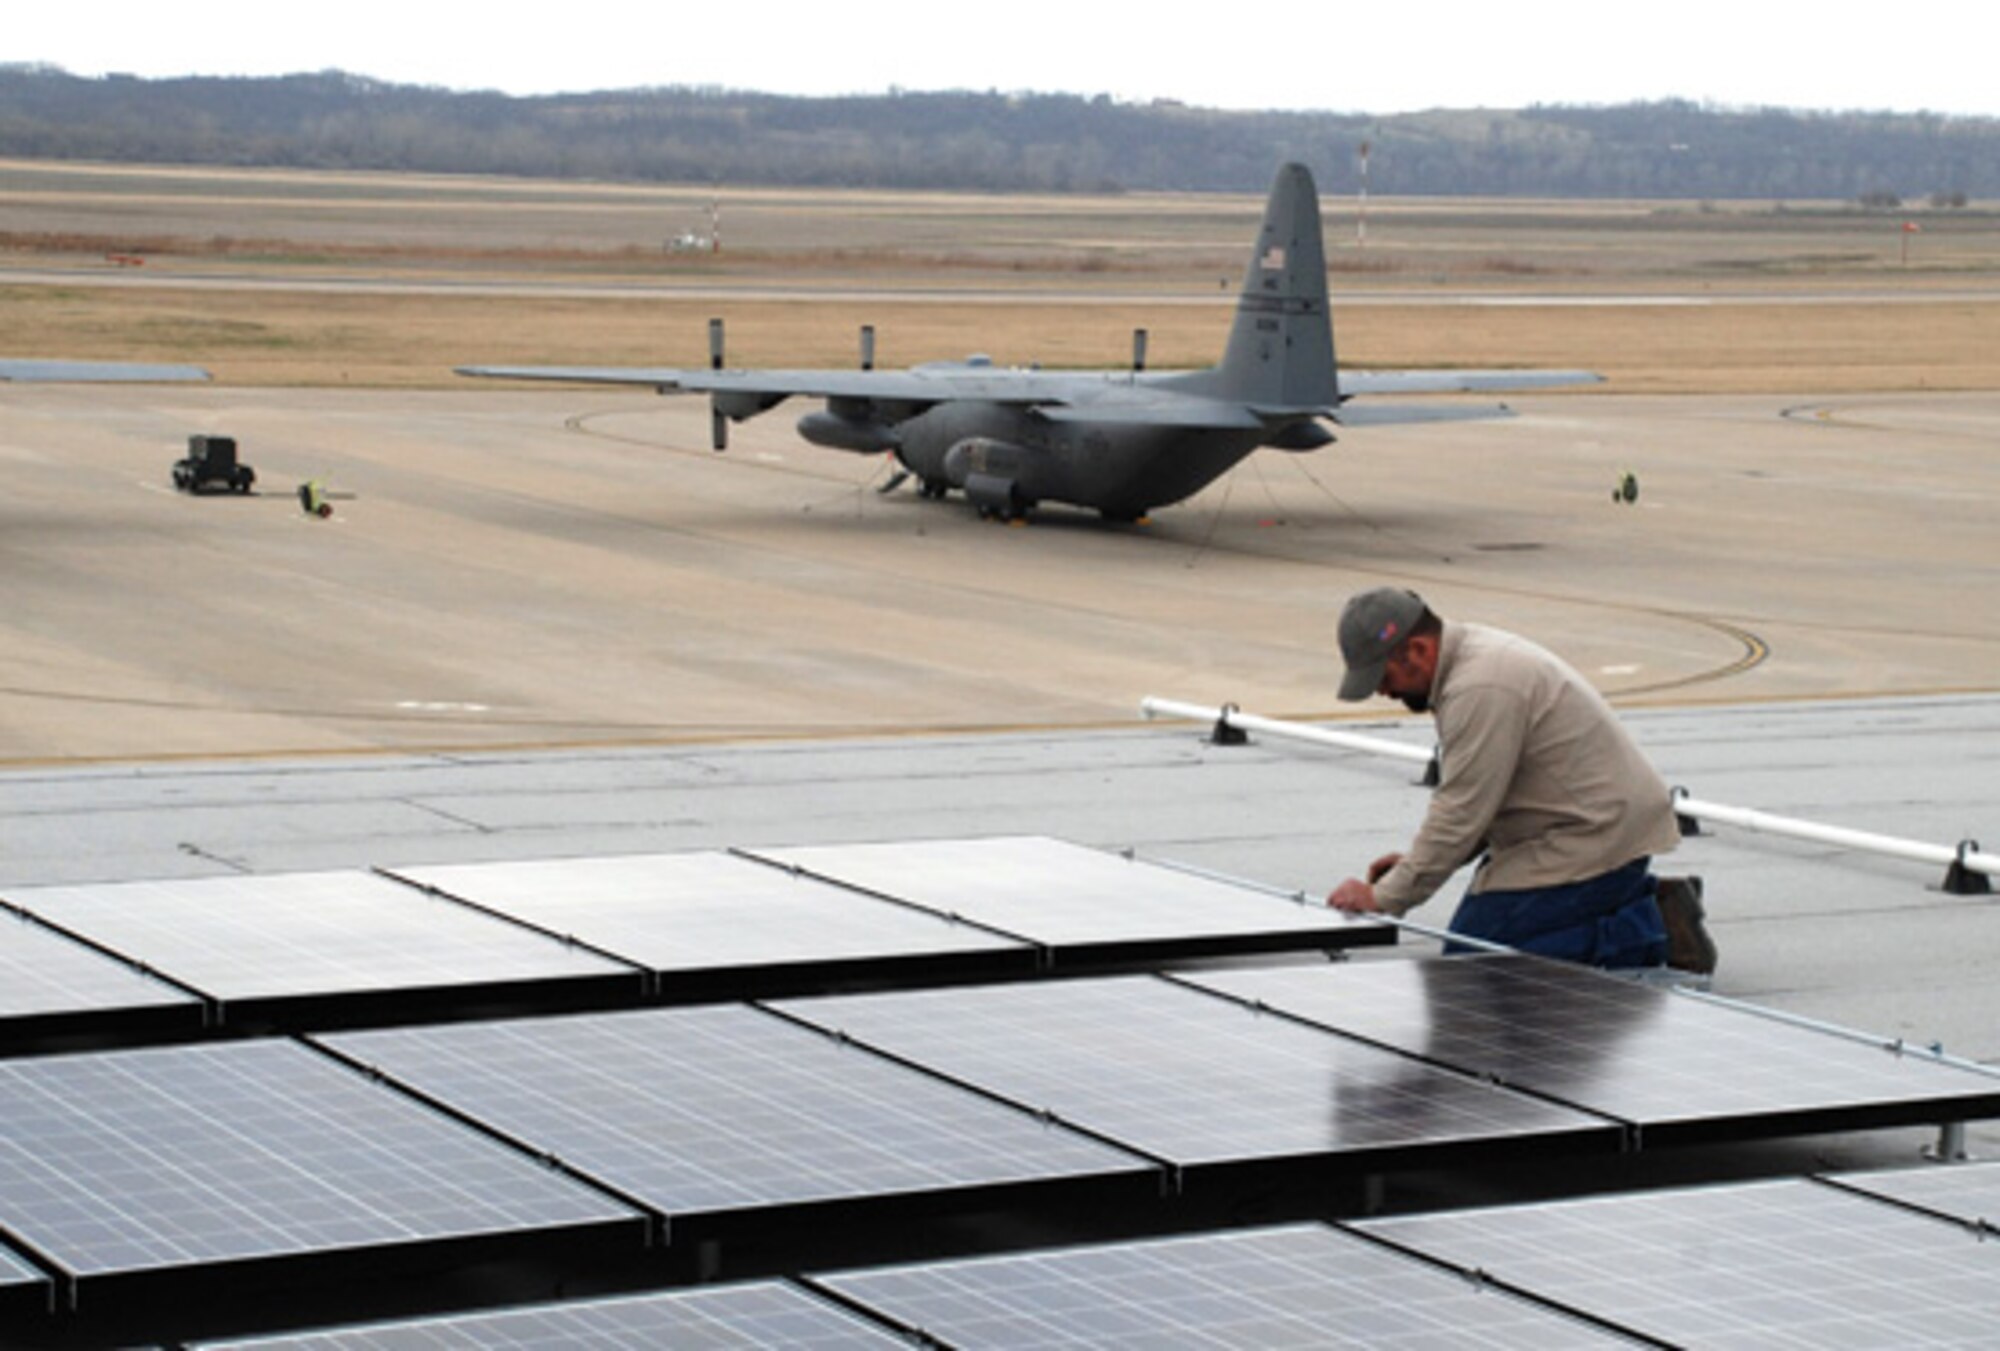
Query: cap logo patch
x=1388, y=632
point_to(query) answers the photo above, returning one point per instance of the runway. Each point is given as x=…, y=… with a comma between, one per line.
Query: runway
x=1071, y=295
x=509, y=569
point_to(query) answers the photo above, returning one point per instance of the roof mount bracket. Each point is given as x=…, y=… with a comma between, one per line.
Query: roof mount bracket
x=1226, y=733
x=1690, y=826
x=1960, y=880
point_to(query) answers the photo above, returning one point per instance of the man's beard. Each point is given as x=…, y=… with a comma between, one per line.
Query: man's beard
x=1417, y=703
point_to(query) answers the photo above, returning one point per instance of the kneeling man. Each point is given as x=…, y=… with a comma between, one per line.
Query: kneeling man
x=1538, y=780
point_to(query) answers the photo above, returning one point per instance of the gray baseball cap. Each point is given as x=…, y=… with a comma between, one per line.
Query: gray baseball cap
x=1372, y=626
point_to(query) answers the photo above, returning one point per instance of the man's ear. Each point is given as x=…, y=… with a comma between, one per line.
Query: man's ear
x=1422, y=649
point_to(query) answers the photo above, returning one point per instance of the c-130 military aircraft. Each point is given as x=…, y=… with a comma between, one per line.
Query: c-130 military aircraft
x=1120, y=442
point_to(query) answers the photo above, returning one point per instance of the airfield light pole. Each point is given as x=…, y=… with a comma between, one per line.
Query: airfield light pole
x=1361, y=216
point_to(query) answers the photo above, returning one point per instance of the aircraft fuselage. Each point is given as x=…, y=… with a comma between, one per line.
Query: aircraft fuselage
x=1007, y=458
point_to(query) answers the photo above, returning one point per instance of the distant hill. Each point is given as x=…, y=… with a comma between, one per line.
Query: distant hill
x=992, y=141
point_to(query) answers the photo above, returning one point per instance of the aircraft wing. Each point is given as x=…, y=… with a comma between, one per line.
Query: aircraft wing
x=1071, y=396
x=1060, y=396
x=31, y=369
x=920, y=385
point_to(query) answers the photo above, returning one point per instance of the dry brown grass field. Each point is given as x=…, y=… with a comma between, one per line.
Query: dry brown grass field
x=285, y=278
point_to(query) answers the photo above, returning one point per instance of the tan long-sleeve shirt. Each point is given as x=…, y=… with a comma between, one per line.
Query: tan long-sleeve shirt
x=1536, y=770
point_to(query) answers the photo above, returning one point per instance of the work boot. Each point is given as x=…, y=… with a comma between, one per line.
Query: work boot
x=1689, y=948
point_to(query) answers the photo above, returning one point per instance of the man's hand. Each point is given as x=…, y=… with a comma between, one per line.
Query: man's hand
x=1355, y=897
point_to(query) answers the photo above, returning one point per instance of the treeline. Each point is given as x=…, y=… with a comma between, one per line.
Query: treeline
x=994, y=141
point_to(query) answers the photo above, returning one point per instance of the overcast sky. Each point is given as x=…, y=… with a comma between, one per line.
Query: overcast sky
x=1382, y=57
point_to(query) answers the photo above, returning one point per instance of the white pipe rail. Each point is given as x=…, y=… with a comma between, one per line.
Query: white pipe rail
x=1962, y=859
x=1965, y=855
x=1231, y=716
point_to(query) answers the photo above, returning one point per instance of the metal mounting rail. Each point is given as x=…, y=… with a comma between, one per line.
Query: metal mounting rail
x=1967, y=869
x=1962, y=862
x=1231, y=718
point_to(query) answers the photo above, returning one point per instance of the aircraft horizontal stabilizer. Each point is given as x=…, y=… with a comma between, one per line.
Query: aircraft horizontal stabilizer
x=662, y=378
x=35, y=370
x=1397, y=414
x=1459, y=382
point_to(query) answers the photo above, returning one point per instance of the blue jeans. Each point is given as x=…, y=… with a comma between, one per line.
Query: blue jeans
x=1607, y=920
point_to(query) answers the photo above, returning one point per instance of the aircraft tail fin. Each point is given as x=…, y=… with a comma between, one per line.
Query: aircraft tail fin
x=1280, y=353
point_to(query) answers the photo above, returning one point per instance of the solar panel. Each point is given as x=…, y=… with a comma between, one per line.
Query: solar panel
x=131, y=1163
x=1679, y=1067
x=52, y=986
x=257, y=944
x=1080, y=902
x=755, y=1314
x=1295, y=1286
x=1771, y=1265
x=714, y=1110
x=1192, y=1078
x=713, y=920
x=1966, y=1192
x=24, y=1291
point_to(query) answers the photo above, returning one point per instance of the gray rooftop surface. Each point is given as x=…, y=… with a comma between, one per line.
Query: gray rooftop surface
x=1865, y=942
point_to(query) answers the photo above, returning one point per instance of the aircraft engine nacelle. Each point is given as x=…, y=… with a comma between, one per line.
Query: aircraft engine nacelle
x=736, y=405
x=994, y=495
x=1301, y=436
x=997, y=476
x=731, y=405
x=862, y=435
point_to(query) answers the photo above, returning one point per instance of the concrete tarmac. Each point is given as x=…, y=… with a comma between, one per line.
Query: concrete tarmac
x=574, y=567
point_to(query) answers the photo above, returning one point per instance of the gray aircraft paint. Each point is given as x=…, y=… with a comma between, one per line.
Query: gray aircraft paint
x=1120, y=442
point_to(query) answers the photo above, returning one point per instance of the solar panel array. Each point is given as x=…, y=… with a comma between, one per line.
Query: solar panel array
x=1193, y=1079
x=1789, y=1264
x=715, y=1110
x=252, y=945
x=345, y=948
x=710, y=1058
x=755, y=1314
x=1296, y=1286
x=1671, y=1066
x=119, y=1164
x=52, y=986
x=1966, y=1192
x=25, y=1293
x=1786, y=1264
x=1074, y=901
x=692, y=915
